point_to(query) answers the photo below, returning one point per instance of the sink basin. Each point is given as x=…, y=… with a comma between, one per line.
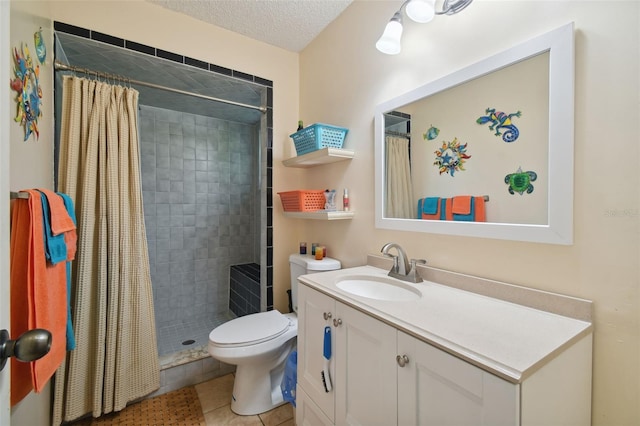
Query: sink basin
x=378, y=287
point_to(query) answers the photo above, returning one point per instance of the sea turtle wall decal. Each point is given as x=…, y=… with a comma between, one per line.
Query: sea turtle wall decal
x=520, y=181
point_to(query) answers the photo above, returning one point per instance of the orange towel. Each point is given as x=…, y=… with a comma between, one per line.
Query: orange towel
x=448, y=211
x=461, y=204
x=38, y=296
x=481, y=213
x=60, y=219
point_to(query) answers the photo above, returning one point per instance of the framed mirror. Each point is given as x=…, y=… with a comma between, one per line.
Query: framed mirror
x=486, y=151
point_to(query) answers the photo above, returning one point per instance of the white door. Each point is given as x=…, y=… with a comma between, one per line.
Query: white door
x=5, y=115
x=365, y=378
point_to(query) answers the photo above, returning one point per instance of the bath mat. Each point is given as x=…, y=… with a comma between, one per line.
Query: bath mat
x=180, y=407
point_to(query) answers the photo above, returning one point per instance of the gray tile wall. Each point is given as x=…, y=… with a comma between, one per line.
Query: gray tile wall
x=201, y=199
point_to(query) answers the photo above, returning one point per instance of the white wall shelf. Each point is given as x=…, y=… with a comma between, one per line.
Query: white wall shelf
x=319, y=157
x=320, y=215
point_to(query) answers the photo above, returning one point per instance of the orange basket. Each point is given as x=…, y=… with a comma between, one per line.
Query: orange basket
x=302, y=200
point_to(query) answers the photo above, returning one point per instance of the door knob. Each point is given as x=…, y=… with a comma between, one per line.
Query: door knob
x=30, y=346
x=402, y=360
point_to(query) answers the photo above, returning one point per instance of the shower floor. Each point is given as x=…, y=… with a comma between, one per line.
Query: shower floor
x=176, y=338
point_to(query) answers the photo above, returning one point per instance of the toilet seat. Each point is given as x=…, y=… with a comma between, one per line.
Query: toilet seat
x=250, y=329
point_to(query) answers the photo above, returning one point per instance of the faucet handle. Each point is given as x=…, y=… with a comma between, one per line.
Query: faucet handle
x=417, y=261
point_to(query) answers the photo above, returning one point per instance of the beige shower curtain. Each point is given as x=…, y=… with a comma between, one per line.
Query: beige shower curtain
x=116, y=359
x=399, y=189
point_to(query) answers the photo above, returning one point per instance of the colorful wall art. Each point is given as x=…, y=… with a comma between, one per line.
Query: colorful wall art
x=26, y=85
x=520, y=181
x=451, y=157
x=431, y=133
x=501, y=121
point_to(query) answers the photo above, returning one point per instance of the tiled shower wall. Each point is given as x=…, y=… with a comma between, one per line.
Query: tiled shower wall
x=200, y=181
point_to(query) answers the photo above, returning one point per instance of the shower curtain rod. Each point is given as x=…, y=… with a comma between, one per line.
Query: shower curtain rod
x=59, y=66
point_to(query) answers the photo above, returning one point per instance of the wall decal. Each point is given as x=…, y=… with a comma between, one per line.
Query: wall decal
x=499, y=120
x=41, y=48
x=431, y=133
x=520, y=181
x=29, y=92
x=451, y=157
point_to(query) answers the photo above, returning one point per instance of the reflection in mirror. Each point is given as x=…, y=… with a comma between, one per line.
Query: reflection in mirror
x=486, y=151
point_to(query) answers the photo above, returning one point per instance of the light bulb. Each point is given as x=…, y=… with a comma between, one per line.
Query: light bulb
x=421, y=10
x=389, y=42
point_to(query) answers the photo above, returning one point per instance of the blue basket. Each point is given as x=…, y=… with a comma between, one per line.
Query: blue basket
x=317, y=136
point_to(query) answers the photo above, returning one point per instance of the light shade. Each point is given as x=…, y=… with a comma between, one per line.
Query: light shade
x=389, y=42
x=421, y=10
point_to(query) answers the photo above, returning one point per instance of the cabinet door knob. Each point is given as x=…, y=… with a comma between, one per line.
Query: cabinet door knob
x=402, y=360
x=326, y=315
x=337, y=322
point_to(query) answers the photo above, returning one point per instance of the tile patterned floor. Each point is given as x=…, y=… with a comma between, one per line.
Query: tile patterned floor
x=215, y=399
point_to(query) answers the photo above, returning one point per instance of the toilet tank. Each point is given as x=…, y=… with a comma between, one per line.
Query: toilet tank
x=301, y=264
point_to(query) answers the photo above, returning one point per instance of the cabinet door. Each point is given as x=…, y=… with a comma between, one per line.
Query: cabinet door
x=312, y=308
x=365, y=378
x=307, y=412
x=436, y=388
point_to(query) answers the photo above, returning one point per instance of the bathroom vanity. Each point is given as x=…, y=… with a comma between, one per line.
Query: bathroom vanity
x=452, y=350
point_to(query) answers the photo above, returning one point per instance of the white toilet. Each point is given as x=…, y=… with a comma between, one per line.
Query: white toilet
x=259, y=344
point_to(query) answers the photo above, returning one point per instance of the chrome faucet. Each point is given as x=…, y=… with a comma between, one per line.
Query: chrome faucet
x=402, y=268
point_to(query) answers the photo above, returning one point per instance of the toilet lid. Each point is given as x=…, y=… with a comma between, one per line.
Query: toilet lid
x=250, y=329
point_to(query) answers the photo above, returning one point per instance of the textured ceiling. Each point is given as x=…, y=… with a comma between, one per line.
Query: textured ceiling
x=288, y=24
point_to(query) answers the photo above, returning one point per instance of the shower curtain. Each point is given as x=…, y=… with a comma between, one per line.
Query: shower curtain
x=399, y=189
x=116, y=359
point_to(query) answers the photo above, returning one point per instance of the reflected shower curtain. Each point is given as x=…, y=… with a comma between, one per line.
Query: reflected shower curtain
x=399, y=190
x=116, y=359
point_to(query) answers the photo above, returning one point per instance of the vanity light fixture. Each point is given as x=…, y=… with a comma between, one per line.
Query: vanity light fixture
x=420, y=11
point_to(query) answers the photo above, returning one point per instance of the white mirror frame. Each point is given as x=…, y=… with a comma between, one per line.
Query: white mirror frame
x=559, y=229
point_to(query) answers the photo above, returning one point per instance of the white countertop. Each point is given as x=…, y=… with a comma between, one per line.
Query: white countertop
x=504, y=338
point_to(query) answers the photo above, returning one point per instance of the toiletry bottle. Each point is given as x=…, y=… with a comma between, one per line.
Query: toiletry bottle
x=300, y=126
x=345, y=200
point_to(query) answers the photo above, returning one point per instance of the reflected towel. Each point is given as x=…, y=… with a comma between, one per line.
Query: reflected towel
x=462, y=205
x=38, y=296
x=473, y=206
x=446, y=210
x=431, y=208
x=480, y=214
x=465, y=217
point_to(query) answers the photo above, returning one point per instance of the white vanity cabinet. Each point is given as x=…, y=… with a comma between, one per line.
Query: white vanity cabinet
x=435, y=388
x=363, y=368
x=383, y=375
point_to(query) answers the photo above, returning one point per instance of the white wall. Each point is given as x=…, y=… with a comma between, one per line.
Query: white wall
x=31, y=161
x=343, y=77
